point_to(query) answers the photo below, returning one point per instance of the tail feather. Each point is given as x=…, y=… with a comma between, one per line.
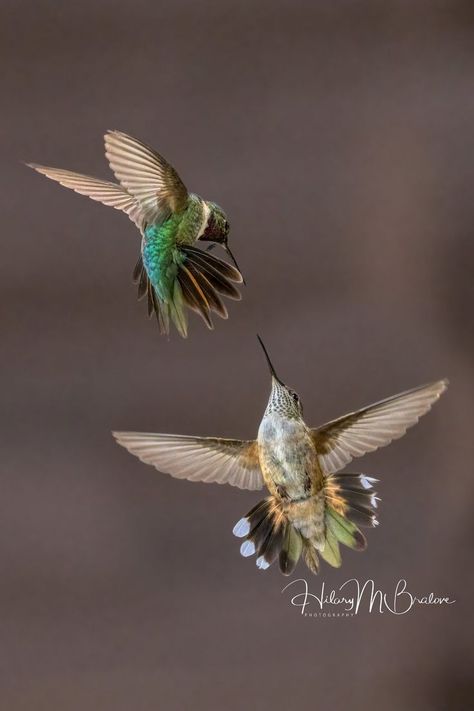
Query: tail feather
x=350, y=503
x=353, y=497
x=200, y=279
x=291, y=550
x=330, y=552
x=177, y=309
x=154, y=305
x=344, y=530
x=270, y=535
x=270, y=549
x=310, y=557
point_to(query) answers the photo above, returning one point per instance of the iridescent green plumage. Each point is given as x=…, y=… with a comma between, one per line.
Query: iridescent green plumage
x=171, y=221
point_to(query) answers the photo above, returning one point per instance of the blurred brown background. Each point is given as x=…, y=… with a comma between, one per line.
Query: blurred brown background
x=339, y=137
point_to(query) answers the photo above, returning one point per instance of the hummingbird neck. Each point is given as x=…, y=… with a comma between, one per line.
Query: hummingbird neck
x=281, y=401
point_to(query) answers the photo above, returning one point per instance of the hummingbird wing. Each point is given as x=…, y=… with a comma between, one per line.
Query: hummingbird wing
x=146, y=175
x=102, y=191
x=208, y=459
x=365, y=430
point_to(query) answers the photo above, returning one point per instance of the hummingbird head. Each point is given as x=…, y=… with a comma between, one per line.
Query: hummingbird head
x=217, y=229
x=283, y=399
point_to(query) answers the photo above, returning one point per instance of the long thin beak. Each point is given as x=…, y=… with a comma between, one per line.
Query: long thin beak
x=227, y=249
x=270, y=364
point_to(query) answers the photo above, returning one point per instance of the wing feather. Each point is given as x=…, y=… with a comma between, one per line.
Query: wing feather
x=365, y=430
x=146, y=175
x=103, y=191
x=207, y=459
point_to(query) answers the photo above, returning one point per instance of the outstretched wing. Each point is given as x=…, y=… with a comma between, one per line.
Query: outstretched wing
x=339, y=441
x=208, y=459
x=146, y=175
x=102, y=191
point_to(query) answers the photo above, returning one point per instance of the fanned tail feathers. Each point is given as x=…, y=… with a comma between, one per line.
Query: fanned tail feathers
x=350, y=502
x=270, y=535
x=201, y=278
x=353, y=497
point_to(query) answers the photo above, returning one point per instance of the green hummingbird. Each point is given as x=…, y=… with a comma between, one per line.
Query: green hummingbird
x=171, y=270
x=312, y=506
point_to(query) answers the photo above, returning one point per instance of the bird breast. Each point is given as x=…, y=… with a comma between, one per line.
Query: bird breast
x=287, y=456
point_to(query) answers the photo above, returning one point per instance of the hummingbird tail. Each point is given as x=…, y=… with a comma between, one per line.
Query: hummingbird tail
x=347, y=502
x=350, y=502
x=200, y=280
x=173, y=309
x=269, y=534
x=155, y=306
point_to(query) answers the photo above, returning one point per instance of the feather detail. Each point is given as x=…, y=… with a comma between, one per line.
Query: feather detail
x=194, y=295
x=103, y=191
x=215, y=302
x=207, y=459
x=145, y=175
x=154, y=305
x=269, y=535
x=206, y=259
x=374, y=426
x=219, y=274
x=177, y=309
x=352, y=496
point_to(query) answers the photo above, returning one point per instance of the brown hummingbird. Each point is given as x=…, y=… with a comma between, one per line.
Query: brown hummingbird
x=312, y=506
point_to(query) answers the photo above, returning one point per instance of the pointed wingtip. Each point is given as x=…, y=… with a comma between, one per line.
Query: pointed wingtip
x=439, y=387
x=43, y=169
x=117, y=133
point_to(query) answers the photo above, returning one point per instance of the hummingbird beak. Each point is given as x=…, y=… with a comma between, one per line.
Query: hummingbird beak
x=227, y=249
x=270, y=364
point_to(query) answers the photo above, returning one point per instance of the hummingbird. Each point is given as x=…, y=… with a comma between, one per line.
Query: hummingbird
x=171, y=270
x=312, y=505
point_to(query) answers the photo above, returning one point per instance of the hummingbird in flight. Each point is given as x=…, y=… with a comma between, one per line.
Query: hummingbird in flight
x=171, y=271
x=312, y=505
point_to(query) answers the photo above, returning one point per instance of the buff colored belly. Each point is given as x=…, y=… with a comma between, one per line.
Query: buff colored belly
x=287, y=457
x=292, y=474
